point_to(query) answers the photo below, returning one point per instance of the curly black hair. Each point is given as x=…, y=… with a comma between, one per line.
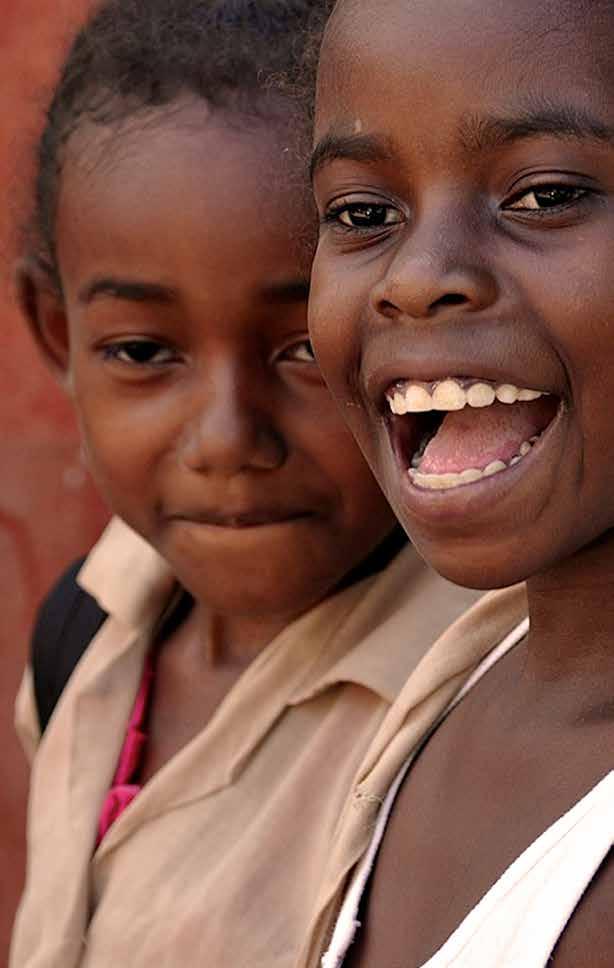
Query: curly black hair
x=135, y=55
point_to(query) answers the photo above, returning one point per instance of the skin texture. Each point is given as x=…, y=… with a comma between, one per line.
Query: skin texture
x=183, y=252
x=467, y=206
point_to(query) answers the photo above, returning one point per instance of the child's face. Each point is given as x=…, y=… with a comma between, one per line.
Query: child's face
x=464, y=171
x=185, y=271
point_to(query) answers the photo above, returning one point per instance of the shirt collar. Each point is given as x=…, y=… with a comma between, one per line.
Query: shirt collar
x=393, y=620
x=126, y=576
x=374, y=633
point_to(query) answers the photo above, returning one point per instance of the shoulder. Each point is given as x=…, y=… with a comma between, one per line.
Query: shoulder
x=588, y=939
x=55, y=608
x=35, y=698
x=27, y=725
x=67, y=620
x=54, y=614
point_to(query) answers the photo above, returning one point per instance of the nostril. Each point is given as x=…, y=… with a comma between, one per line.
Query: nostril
x=449, y=299
x=387, y=309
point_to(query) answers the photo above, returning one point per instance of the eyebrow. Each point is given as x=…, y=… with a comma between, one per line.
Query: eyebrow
x=126, y=289
x=352, y=147
x=477, y=134
x=480, y=134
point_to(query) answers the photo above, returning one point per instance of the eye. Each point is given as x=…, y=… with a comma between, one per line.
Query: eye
x=363, y=215
x=547, y=198
x=140, y=352
x=300, y=352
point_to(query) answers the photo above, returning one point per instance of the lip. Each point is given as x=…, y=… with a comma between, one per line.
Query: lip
x=241, y=519
x=461, y=506
x=470, y=351
x=382, y=381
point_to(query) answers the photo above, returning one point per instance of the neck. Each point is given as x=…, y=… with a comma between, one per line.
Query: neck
x=234, y=640
x=572, y=618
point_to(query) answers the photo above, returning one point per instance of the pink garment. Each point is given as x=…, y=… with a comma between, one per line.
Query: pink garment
x=124, y=787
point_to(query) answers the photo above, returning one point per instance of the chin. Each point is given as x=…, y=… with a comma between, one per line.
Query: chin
x=256, y=593
x=482, y=565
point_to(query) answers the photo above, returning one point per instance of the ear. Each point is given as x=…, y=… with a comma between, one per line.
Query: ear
x=43, y=308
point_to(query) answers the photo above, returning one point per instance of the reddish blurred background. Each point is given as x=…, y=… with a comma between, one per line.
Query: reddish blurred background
x=48, y=510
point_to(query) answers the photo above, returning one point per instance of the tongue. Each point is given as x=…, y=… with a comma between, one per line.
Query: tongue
x=475, y=437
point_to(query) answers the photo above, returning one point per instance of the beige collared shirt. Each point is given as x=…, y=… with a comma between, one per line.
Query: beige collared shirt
x=430, y=688
x=236, y=852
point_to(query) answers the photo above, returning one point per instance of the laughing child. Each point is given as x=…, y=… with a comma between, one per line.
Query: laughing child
x=186, y=791
x=463, y=314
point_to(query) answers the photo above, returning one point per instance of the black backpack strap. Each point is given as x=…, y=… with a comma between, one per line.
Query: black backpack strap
x=66, y=623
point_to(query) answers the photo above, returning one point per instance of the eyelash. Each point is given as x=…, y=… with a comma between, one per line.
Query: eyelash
x=575, y=195
x=112, y=353
x=333, y=216
x=286, y=355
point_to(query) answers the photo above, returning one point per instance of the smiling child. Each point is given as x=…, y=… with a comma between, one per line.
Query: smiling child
x=262, y=606
x=463, y=313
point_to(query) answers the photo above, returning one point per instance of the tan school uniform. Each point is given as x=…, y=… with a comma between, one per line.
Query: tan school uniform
x=232, y=854
x=446, y=671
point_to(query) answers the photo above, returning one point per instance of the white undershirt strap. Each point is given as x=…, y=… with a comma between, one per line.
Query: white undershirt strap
x=519, y=921
x=347, y=922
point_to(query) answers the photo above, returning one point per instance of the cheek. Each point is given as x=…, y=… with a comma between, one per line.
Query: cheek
x=116, y=463
x=334, y=312
x=571, y=286
x=356, y=494
x=121, y=444
x=576, y=304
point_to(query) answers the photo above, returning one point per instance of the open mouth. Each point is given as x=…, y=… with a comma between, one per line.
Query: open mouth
x=464, y=430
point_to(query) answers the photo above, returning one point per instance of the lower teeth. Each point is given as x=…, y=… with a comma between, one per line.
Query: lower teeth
x=444, y=482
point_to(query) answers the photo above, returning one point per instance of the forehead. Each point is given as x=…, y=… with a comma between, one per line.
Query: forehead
x=183, y=190
x=185, y=149
x=461, y=54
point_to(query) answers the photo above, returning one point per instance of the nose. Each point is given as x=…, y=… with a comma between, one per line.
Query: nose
x=232, y=428
x=439, y=269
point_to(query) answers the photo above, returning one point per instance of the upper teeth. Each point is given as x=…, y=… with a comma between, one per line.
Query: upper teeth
x=454, y=394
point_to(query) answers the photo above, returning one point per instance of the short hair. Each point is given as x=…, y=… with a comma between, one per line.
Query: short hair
x=134, y=55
